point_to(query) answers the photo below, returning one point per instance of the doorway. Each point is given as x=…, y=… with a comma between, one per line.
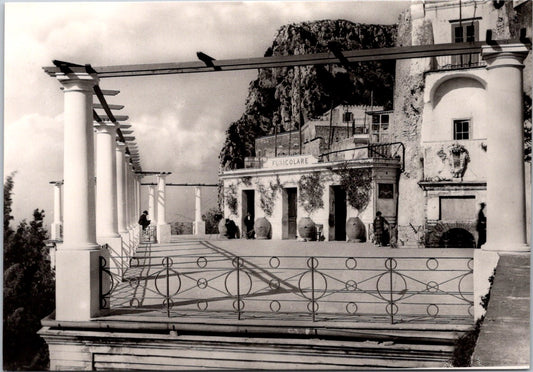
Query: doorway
x=248, y=206
x=290, y=213
x=337, y=212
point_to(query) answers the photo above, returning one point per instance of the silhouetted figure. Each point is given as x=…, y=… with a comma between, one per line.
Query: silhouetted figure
x=143, y=220
x=249, y=224
x=481, y=226
x=380, y=235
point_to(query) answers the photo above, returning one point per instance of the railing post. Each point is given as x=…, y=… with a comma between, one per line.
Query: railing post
x=313, y=287
x=238, y=288
x=101, y=276
x=391, y=294
x=168, y=286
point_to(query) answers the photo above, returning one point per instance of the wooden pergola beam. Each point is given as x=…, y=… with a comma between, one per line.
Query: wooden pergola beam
x=351, y=56
x=183, y=184
x=112, y=107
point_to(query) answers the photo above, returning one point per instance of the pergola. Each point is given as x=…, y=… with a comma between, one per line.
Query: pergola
x=106, y=218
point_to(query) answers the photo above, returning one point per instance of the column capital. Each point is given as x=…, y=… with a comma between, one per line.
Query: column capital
x=105, y=127
x=57, y=183
x=504, y=55
x=77, y=81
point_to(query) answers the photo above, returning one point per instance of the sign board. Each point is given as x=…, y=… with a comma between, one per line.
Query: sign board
x=289, y=161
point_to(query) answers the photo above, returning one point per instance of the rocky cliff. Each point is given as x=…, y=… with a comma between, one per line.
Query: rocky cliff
x=289, y=96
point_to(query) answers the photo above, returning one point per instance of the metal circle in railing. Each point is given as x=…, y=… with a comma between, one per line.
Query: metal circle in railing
x=351, y=308
x=274, y=262
x=312, y=263
x=134, y=302
x=274, y=283
x=201, y=283
x=163, y=276
x=312, y=306
x=134, y=282
x=350, y=263
x=471, y=310
x=237, y=262
x=432, y=310
x=391, y=264
x=245, y=283
x=201, y=262
x=432, y=263
x=167, y=303
x=470, y=264
x=202, y=305
x=134, y=262
x=275, y=306
x=383, y=286
x=463, y=283
x=103, y=262
x=305, y=285
x=103, y=303
x=391, y=309
x=167, y=261
x=432, y=286
x=350, y=285
x=238, y=305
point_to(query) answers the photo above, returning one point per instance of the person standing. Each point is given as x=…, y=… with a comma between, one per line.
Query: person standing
x=481, y=226
x=249, y=224
x=144, y=221
x=379, y=229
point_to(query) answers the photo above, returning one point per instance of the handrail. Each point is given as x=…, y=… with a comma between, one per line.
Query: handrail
x=372, y=149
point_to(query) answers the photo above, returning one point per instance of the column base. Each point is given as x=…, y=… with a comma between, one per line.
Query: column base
x=163, y=233
x=77, y=284
x=506, y=247
x=198, y=228
x=56, y=231
x=484, y=264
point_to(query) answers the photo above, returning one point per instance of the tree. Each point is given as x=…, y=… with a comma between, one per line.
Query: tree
x=212, y=217
x=28, y=289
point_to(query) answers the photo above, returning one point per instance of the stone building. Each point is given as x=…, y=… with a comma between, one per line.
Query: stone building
x=341, y=143
x=440, y=117
x=440, y=114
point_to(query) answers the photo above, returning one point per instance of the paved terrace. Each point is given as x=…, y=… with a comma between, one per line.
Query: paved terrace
x=327, y=288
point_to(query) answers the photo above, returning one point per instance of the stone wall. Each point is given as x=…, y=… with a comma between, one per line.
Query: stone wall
x=406, y=128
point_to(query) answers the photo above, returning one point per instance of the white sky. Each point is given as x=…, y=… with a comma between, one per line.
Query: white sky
x=178, y=120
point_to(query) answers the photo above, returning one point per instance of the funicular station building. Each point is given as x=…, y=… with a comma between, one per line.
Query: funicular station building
x=453, y=139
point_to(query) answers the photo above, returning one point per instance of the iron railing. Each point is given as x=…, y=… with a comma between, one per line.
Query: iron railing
x=393, y=150
x=301, y=288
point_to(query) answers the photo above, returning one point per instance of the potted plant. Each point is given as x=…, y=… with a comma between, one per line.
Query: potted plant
x=357, y=182
x=310, y=196
x=267, y=197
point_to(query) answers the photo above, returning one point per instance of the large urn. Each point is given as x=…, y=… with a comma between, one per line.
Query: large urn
x=262, y=228
x=222, y=229
x=355, y=230
x=307, y=229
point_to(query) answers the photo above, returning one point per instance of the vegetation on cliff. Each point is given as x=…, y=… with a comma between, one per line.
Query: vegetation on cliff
x=289, y=96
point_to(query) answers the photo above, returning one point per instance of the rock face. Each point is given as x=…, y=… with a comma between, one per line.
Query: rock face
x=289, y=96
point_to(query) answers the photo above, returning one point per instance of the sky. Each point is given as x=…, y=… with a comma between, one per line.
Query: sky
x=179, y=121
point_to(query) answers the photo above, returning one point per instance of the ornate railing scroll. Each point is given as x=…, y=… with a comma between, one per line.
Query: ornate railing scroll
x=316, y=289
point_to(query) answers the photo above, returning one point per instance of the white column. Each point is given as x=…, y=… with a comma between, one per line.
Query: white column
x=199, y=225
x=77, y=259
x=106, y=185
x=121, y=188
x=152, y=192
x=506, y=216
x=57, y=224
x=163, y=229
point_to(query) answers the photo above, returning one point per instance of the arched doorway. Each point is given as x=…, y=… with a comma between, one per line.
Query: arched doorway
x=457, y=238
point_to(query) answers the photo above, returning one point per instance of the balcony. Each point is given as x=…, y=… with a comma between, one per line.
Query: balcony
x=457, y=62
